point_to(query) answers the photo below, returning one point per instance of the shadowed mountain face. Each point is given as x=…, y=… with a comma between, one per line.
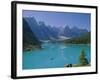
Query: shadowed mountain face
x=44, y=32
x=29, y=39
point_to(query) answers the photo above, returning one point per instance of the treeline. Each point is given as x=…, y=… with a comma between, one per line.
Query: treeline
x=84, y=39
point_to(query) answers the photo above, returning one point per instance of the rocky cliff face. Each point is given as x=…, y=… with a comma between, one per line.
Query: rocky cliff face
x=30, y=41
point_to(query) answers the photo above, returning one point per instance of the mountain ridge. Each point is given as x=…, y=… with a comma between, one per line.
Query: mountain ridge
x=45, y=32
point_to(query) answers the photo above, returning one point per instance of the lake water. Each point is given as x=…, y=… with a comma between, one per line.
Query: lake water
x=54, y=55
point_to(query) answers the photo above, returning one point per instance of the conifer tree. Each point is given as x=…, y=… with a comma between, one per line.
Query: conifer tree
x=83, y=60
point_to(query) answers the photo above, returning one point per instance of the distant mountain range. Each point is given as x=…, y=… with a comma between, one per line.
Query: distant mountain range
x=44, y=32
x=72, y=32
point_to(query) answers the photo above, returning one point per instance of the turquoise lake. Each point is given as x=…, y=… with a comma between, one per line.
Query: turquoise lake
x=54, y=55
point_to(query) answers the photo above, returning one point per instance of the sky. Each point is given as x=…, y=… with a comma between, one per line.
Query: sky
x=61, y=19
